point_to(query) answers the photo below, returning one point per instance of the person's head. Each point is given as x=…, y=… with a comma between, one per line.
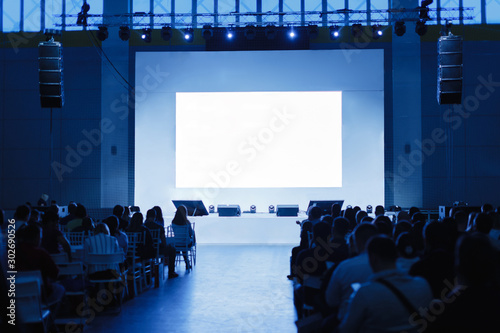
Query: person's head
x=383, y=224
x=362, y=234
x=350, y=215
x=436, y=236
x=80, y=211
x=314, y=213
x=126, y=213
x=136, y=221
x=486, y=208
x=71, y=208
x=159, y=213
x=88, y=224
x=400, y=227
x=475, y=260
x=321, y=231
x=29, y=234
x=180, y=217
x=101, y=228
x=418, y=217
x=403, y=216
x=461, y=219
x=151, y=214
x=340, y=227
x=335, y=210
x=379, y=210
x=50, y=219
x=356, y=209
x=382, y=253
x=483, y=223
x=36, y=216
x=327, y=219
x=118, y=211
x=359, y=216
x=112, y=223
x=413, y=210
x=404, y=246
x=367, y=219
x=22, y=213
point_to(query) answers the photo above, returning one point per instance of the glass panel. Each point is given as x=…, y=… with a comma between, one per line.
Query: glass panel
x=226, y=7
x=291, y=5
x=141, y=6
x=379, y=4
x=313, y=5
x=248, y=6
x=476, y=12
x=53, y=10
x=492, y=11
x=11, y=16
x=270, y=6
x=31, y=15
x=205, y=7
x=183, y=7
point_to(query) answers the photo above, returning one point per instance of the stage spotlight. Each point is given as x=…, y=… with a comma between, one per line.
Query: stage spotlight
x=421, y=28
x=399, y=28
x=230, y=33
x=369, y=209
x=102, y=34
x=253, y=209
x=211, y=209
x=270, y=32
x=250, y=32
x=271, y=209
x=356, y=30
x=292, y=33
x=188, y=35
x=166, y=33
x=313, y=31
x=146, y=35
x=376, y=31
x=124, y=33
x=334, y=32
x=207, y=32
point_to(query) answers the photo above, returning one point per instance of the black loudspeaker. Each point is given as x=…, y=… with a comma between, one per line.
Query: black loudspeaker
x=287, y=210
x=229, y=210
x=449, y=85
x=50, y=71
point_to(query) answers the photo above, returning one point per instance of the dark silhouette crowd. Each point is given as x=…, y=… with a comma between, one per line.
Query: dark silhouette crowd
x=398, y=271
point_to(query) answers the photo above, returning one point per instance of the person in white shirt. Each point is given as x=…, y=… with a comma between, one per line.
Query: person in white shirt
x=376, y=305
x=102, y=243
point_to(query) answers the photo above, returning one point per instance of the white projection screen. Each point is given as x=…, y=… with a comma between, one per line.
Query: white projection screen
x=259, y=127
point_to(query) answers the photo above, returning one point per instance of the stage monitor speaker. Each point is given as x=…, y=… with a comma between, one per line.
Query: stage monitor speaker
x=287, y=210
x=50, y=72
x=450, y=76
x=444, y=211
x=229, y=210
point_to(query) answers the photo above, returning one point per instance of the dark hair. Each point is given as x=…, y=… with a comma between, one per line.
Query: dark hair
x=151, y=213
x=404, y=245
x=383, y=247
x=483, y=223
x=340, y=226
x=112, y=223
x=22, y=213
x=475, y=260
x=72, y=207
x=321, y=230
x=413, y=210
x=379, y=210
x=136, y=221
x=363, y=233
x=315, y=212
x=101, y=228
x=159, y=214
x=29, y=233
x=80, y=211
x=118, y=211
x=335, y=210
x=383, y=224
x=436, y=235
x=49, y=217
x=400, y=227
x=418, y=217
x=359, y=216
x=180, y=217
x=486, y=208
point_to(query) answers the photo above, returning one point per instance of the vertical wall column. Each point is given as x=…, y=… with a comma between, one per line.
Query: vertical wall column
x=114, y=112
x=407, y=114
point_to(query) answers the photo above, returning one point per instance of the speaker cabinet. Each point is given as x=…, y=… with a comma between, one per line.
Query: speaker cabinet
x=287, y=210
x=50, y=74
x=450, y=77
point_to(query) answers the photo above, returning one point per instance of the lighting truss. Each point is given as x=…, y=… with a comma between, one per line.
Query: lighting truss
x=233, y=19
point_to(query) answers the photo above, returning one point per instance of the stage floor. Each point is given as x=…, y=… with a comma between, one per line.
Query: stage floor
x=258, y=228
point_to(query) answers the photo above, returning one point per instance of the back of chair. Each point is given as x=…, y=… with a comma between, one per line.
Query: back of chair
x=59, y=257
x=181, y=236
x=105, y=259
x=75, y=238
x=156, y=234
x=29, y=296
x=135, y=242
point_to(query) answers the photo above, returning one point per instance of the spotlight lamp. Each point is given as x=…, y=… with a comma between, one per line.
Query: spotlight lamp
x=399, y=28
x=421, y=28
x=292, y=33
x=356, y=30
x=124, y=33
x=102, y=33
x=207, y=32
x=376, y=31
x=270, y=31
x=211, y=209
x=369, y=209
x=250, y=32
x=271, y=209
x=166, y=33
x=253, y=209
x=188, y=35
x=146, y=35
x=230, y=33
x=334, y=32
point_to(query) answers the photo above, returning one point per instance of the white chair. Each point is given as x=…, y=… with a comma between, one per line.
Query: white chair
x=75, y=238
x=160, y=259
x=185, y=246
x=134, y=272
x=109, y=259
x=29, y=299
x=74, y=270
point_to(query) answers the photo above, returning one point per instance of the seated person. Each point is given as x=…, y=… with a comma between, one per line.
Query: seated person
x=22, y=215
x=375, y=307
x=180, y=219
x=87, y=226
x=121, y=237
x=71, y=214
x=80, y=214
x=102, y=243
x=31, y=257
x=53, y=240
x=147, y=249
x=166, y=250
